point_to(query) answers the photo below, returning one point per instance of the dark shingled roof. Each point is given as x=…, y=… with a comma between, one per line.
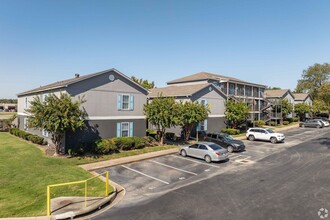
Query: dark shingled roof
x=205, y=76
x=65, y=83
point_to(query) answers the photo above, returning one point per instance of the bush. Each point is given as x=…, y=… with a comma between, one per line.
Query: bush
x=124, y=143
x=295, y=119
x=105, y=146
x=27, y=136
x=169, y=136
x=286, y=122
x=272, y=123
x=231, y=131
x=259, y=123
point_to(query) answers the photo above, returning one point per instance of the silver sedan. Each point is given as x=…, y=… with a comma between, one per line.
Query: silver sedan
x=205, y=150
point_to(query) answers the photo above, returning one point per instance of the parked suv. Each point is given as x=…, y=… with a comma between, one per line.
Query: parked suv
x=265, y=134
x=226, y=141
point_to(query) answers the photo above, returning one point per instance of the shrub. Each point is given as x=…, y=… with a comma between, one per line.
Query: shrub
x=272, y=123
x=105, y=146
x=124, y=143
x=231, y=131
x=295, y=119
x=286, y=122
x=259, y=123
x=150, y=141
x=170, y=136
x=27, y=136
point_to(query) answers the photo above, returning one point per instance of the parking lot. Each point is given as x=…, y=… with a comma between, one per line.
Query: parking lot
x=171, y=171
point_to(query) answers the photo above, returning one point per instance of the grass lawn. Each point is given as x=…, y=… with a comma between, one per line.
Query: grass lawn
x=26, y=172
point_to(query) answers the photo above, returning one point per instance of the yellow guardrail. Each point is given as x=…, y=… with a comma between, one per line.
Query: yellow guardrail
x=78, y=182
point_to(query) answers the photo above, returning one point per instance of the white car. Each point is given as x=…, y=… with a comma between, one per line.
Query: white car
x=264, y=134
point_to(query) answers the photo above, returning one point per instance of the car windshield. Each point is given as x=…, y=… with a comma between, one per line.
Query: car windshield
x=229, y=137
x=270, y=130
x=214, y=146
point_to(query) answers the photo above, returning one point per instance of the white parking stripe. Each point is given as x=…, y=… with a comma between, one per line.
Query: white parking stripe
x=173, y=167
x=234, y=156
x=183, y=158
x=145, y=174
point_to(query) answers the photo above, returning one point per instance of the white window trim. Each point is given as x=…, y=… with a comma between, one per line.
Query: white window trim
x=121, y=129
x=122, y=102
x=44, y=133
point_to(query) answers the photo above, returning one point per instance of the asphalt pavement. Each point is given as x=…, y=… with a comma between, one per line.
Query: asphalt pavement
x=284, y=181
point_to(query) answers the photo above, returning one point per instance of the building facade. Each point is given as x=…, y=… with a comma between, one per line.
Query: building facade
x=250, y=93
x=206, y=94
x=114, y=106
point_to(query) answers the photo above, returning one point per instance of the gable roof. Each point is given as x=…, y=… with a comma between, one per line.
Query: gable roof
x=180, y=91
x=206, y=76
x=300, y=96
x=66, y=83
x=277, y=93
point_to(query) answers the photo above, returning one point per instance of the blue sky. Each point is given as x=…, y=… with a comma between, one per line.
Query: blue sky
x=266, y=42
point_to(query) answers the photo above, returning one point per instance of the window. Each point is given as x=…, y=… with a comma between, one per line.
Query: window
x=240, y=90
x=203, y=102
x=194, y=146
x=44, y=96
x=214, y=136
x=202, y=126
x=124, y=129
x=231, y=89
x=44, y=133
x=202, y=147
x=26, y=102
x=125, y=102
x=248, y=90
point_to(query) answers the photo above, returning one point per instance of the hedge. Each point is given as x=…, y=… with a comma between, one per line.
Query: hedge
x=286, y=122
x=27, y=136
x=114, y=145
x=259, y=123
x=231, y=131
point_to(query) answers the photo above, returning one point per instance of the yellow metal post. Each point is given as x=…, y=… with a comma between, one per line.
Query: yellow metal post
x=48, y=200
x=86, y=194
x=107, y=183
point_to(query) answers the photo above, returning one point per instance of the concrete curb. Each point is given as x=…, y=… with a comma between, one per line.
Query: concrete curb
x=130, y=159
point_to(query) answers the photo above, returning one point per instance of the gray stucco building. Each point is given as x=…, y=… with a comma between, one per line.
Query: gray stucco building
x=114, y=105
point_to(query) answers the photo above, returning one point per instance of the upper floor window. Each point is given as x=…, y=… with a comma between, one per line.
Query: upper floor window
x=26, y=102
x=248, y=90
x=255, y=92
x=44, y=133
x=125, y=102
x=44, y=96
x=240, y=90
x=232, y=89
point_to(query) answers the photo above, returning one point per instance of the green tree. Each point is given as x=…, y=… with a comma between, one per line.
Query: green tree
x=236, y=113
x=145, y=83
x=312, y=78
x=301, y=109
x=324, y=94
x=163, y=113
x=287, y=108
x=274, y=88
x=56, y=115
x=190, y=114
x=318, y=106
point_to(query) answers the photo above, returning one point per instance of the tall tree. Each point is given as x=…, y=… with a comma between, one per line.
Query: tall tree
x=313, y=78
x=318, y=106
x=301, y=109
x=143, y=82
x=191, y=113
x=163, y=113
x=324, y=94
x=56, y=115
x=287, y=108
x=236, y=112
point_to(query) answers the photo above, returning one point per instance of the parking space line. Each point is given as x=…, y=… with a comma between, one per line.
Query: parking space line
x=175, y=168
x=234, y=156
x=145, y=174
x=183, y=158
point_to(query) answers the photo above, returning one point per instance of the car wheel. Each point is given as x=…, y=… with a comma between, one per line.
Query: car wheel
x=208, y=159
x=230, y=149
x=183, y=153
x=273, y=140
x=251, y=138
